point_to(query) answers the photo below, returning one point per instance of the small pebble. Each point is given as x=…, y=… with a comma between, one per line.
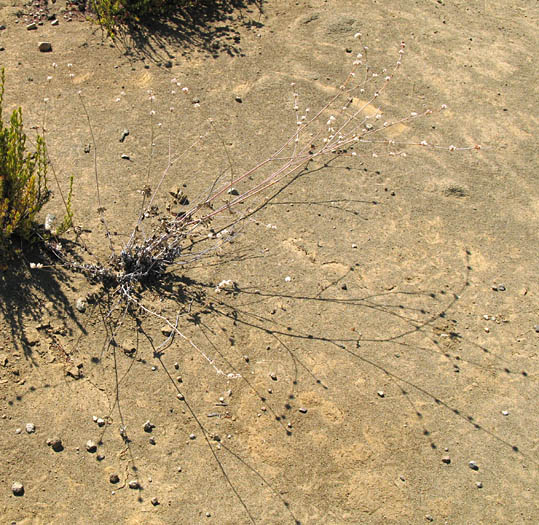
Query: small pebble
x=446, y=460
x=80, y=305
x=192, y=436
x=179, y=469
x=536, y=328
x=501, y=288
x=303, y=410
x=155, y=501
x=18, y=430
x=17, y=488
x=134, y=484
x=154, y=368
x=381, y=393
x=180, y=397
x=238, y=99
x=30, y=428
x=125, y=132
x=126, y=157
x=473, y=465
x=91, y=446
x=287, y=279
x=428, y=517
x=151, y=441
x=100, y=421
x=208, y=515
x=54, y=22
x=505, y=412
x=100, y=457
x=233, y=191
x=56, y=444
x=45, y=47
x=31, y=26
x=176, y=366
x=148, y=427
x=114, y=478
x=273, y=376
x=479, y=484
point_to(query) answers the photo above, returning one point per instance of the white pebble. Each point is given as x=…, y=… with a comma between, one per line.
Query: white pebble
x=30, y=428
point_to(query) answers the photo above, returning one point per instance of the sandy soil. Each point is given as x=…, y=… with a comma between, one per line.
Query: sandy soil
x=406, y=332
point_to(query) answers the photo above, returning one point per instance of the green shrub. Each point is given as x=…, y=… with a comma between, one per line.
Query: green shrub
x=23, y=179
x=113, y=13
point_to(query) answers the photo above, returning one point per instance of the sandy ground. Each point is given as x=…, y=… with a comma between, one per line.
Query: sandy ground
x=392, y=300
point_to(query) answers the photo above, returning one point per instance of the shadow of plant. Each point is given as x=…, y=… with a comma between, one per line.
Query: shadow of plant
x=208, y=26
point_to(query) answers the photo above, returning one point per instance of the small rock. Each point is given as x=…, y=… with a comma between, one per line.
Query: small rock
x=208, y=515
x=148, y=427
x=166, y=330
x=473, y=465
x=80, y=305
x=181, y=397
x=100, y=457
x=18, y=430
x=238, y=99
x=381, y=393
x=30, y=428
x=114, y=478
x=55, y=22
x=505, y=412
x=2, y=27
x=126, y=157
x=536, y=328
x=134, y=484
x=56, y=444
x=501, y=288
x=428, y=517
x=192, y=436
x=125, y=132
x=151, y=441
x=273, y=376
x=31, y=26
x=179, y=469
x=446, y=460
x=45, y=47
x=91, y=446
x=303, y=410
x=233, y=191
x=100, y=422
x=479, y=484
x=176, y=366
x=17, y=488
x=49, y=221
x=154, y=501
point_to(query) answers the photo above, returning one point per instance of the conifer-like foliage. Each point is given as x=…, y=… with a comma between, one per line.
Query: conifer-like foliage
x=23, y=179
